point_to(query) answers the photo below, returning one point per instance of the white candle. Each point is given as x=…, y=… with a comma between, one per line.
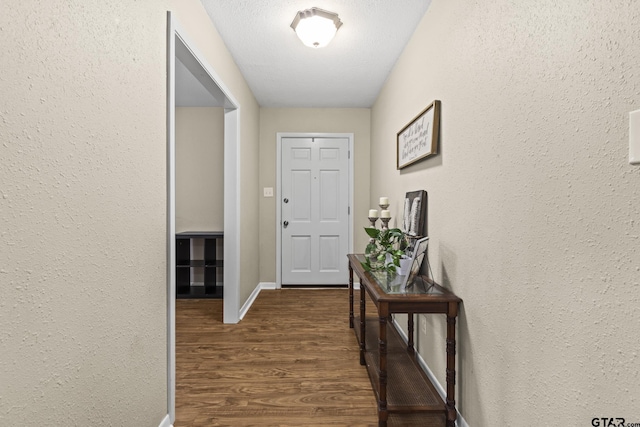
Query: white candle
x=385, y=214
x=373, y=213
x=384, y=200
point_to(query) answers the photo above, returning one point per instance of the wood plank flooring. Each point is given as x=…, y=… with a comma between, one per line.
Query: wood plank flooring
x=292, y=361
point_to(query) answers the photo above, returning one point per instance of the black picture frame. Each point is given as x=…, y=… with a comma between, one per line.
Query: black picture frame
x=414, y=221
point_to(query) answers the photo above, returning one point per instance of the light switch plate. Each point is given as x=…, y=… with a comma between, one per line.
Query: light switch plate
x=634, y=137
x=268, y=191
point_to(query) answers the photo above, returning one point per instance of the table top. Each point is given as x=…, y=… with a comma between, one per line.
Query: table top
x=389, y=286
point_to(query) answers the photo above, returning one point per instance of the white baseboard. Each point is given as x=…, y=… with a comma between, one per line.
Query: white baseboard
x=166, y=422
x=249, y=302
x=460, y=421
x=267, y=285
x=247, y=305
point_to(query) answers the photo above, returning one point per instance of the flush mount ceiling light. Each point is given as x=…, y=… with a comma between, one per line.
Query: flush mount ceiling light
x=316, y=27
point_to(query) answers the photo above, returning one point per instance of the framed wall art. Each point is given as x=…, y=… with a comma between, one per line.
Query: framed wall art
x=419, y=139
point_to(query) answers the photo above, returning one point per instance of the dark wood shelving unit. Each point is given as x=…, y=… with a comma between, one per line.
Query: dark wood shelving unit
x=210, y=266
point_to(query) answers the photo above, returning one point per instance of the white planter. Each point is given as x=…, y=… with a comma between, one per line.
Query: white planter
x=405, y=264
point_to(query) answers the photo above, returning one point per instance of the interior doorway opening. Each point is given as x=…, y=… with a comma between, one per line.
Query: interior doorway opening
x=182, y=54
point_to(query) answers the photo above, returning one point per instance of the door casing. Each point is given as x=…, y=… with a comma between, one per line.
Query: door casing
x=278, y=195
x=179, y=43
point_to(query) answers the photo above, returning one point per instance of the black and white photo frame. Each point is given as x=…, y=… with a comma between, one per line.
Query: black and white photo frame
x=414, y=221
x=417, y=258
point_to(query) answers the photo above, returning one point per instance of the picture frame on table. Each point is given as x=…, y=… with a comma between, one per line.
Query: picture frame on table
x=414, y=220
x=419, y=253
x=419, y=139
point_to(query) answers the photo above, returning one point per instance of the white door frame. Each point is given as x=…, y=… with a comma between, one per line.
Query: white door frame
x=279, y=137
x=214, y=84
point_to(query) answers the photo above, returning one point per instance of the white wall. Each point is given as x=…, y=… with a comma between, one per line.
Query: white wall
x=533, y=209
x=199, y=169
x=83, y=206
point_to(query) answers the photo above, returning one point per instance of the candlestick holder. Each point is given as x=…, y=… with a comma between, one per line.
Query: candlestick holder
x=372, y=220
x=385, y=223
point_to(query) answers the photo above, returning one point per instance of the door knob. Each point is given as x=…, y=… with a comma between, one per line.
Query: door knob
x=286, y=200
x=286, y=223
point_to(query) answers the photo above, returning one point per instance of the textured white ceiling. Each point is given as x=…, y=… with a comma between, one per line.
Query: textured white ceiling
x=282, y=72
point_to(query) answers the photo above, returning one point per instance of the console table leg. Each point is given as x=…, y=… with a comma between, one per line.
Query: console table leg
x=410, y=348
x=363, y=312
x=383, y=414
x=451, y=364
x=350, y=296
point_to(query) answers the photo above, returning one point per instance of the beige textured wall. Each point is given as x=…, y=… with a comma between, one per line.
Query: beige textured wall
x=83, y=207
x=199, y=169
x=533, y=208
x=82, y=256
x=308, y=120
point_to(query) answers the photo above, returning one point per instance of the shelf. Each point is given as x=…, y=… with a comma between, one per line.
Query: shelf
x=407, y=391
x=199, y=234
x=198, y=274
x=198, y=292
x=201, y=263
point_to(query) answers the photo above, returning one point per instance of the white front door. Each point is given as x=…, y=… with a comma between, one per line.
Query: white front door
x=314, y=202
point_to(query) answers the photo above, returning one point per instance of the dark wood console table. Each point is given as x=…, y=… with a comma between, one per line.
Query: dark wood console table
x=399, y=383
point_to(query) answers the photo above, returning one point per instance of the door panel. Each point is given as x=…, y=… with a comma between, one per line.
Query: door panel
x=329, y=153
x=329, y=195
x=315, y=185
x=300, y=199
x=301, y=254
x=301, y=153
x=329, y=248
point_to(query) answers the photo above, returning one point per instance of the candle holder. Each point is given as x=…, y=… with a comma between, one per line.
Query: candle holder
x=385, y=223
x=372, y=220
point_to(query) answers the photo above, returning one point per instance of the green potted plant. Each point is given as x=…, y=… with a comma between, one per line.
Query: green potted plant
x=385, y=249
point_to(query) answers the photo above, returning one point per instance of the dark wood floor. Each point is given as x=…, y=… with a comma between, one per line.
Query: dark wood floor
x=292, y=361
